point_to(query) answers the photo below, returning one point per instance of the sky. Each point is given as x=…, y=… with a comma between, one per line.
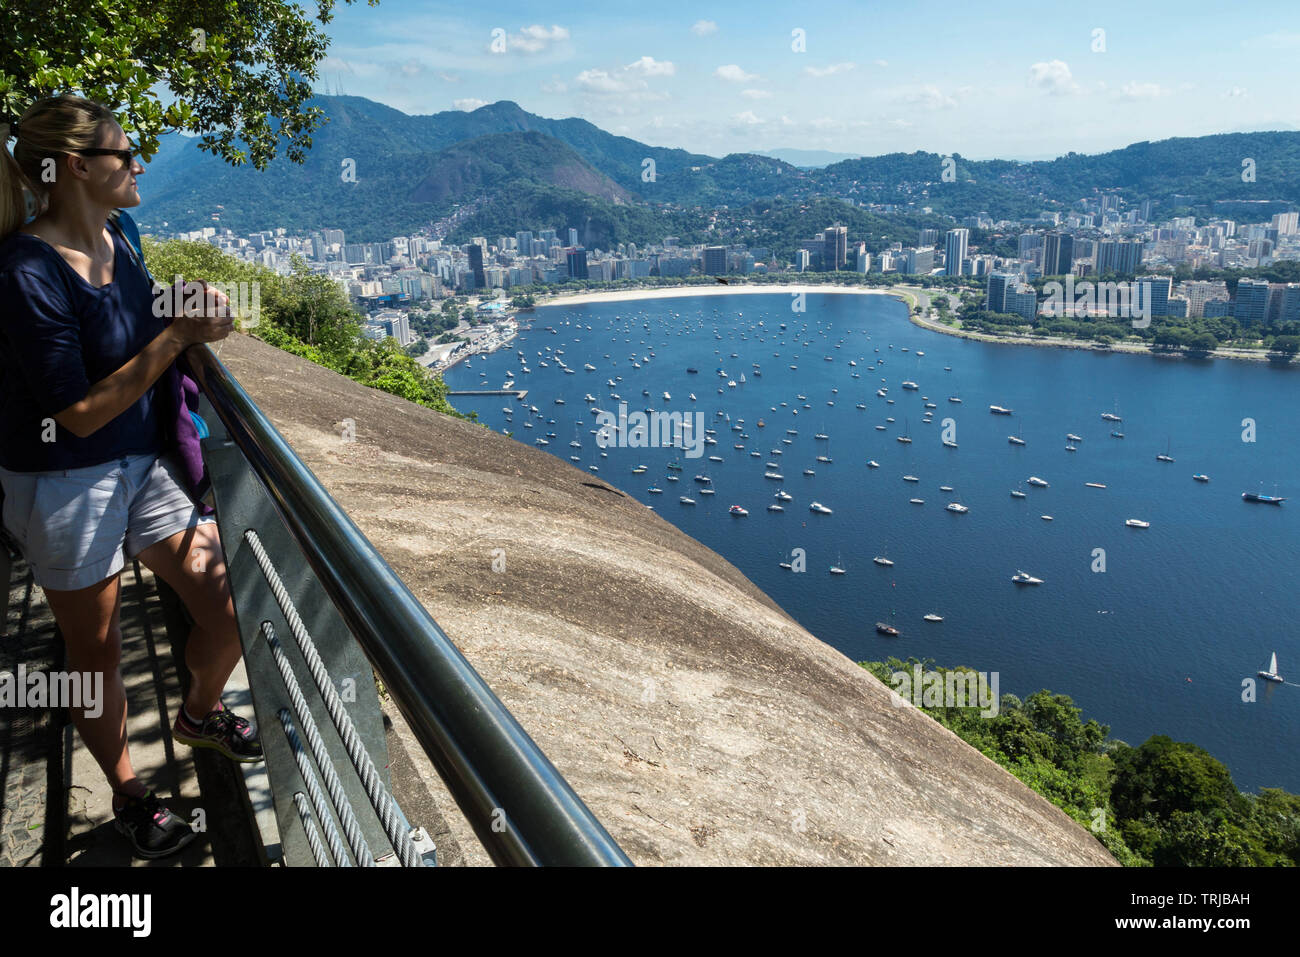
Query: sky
x=986, y=80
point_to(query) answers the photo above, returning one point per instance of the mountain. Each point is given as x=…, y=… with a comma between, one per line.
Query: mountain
x=503, y=168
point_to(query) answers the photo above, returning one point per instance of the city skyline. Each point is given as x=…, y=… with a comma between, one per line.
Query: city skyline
x=819, y=79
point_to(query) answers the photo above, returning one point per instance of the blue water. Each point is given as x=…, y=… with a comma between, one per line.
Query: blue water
x=1157, y=643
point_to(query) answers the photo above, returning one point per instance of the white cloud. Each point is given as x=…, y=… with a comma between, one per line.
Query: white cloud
x=1237, y=91
x=880, y=62
x=929, y=97
x=747, y=117
x=599, y=81
x=756, y=94
x=649, y=66
x=1054, y=77
x=449, y=77
x=1142, y=91
x=828, y=70
x=702, y=28
x=468, y=105
x=735, y=74
x=536, y=38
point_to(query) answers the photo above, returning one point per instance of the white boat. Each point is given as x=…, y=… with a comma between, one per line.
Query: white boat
x=1045, y=518
x=1016, y=493
x=1201, y=478
x=1024, y=578
x=1136, y=523
x=1071, y=437
x=873, y=464
x=1093, y=485
x=999, y=410
x=773, y=475
x=917, y=501
x=686, y=500
x=957, y=507
x=819, y=508
x=932, y=616
x=1271, y=674
x=737, y=510
x=879, y=560
x=589, y=367
x=945, y=488
x=910, y=478
x=776, y=508
x=784, y=496
x=1036, y=481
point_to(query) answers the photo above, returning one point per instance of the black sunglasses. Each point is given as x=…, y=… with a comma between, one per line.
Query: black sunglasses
x=126, y=156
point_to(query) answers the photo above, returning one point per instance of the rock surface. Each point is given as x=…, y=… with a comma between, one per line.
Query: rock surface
x=699, y=722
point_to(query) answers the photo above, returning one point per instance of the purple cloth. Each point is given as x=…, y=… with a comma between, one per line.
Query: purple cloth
x=182, y=396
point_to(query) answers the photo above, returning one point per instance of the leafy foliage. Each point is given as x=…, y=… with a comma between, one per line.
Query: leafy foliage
x=1166, y=803
x=240, y=74
x=309, y=316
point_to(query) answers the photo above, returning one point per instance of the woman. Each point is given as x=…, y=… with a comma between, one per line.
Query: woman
x=87, y=475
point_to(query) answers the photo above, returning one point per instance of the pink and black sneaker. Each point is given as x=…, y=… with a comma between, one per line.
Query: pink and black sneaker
x=222, y=730
x=151, y=827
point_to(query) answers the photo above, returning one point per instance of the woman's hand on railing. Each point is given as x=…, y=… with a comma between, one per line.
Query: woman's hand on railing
x=202, y=317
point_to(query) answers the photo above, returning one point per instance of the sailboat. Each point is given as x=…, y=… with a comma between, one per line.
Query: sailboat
x=1016, y=439
x=1166, y=457
x=905, y=438
x=1271, y=674
x=838, y=567
x=887, y=629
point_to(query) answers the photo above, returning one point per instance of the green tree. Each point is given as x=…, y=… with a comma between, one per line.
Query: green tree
x=240, y=74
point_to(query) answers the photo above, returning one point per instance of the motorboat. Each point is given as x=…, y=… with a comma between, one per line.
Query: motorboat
x=1024, y=578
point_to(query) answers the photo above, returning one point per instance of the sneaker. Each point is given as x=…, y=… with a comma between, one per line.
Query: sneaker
x=223, y=731
x=153, y=830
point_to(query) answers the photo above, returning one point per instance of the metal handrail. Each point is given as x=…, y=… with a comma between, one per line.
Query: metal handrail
x=522, y=809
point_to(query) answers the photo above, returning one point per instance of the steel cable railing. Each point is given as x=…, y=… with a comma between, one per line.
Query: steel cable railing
x=495, y=772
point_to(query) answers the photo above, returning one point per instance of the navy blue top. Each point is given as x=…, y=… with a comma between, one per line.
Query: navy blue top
x=59, y=335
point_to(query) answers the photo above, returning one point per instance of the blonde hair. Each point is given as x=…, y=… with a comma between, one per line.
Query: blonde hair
x=47, y=130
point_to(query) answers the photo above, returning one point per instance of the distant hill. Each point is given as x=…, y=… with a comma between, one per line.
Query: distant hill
x=493, y=166
x=807, y=159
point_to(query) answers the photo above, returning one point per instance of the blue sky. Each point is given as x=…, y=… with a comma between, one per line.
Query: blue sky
x=993, y=79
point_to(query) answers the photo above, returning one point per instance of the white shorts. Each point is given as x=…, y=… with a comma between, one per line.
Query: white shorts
x=77, y=527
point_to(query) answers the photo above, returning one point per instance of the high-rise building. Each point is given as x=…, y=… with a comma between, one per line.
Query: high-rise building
x=1058, y=254
x=1028, y=243
x=476, y=265
x=714, y=260
x=1155, y=293
x=573, y=236
x=955, y=250
x=1252, y=300
x=1022, y=301
x=928, y=237
x=861, y=259
x=918, y=261
x=1119, y=256
x=801, y=260
x=577, y=259
x=1286, y=224
x=835, y=247
x=1000, y=283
